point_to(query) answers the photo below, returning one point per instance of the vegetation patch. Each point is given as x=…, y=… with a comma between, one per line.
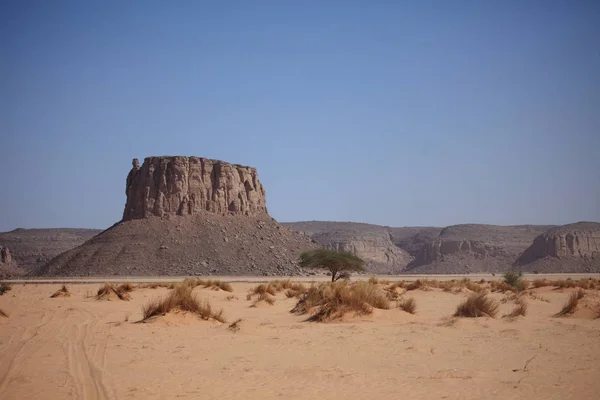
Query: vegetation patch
x=477, y=305
x=327, y=302
x=181, y=299
x=62, y=292
x=571, y=304
x=409, y=305
x=4, y=287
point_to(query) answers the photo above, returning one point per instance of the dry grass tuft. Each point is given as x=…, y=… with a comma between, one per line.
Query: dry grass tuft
x=125, y=287
x=62, y=292
x=182, y=299
x=538, y=283
x=266, y=297
x=4, y=287
x=414, y=285
x=289, y=288
x=231, y=297
x=331, y=301
x=409, y=305
x=373, y=280
x=570, y=305
x=520, y=308
x=3, y=314
x=235, y=325
x=208, y=284
x=105, y=291
x=477, y=305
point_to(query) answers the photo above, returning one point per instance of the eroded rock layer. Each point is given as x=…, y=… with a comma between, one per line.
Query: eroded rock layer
x=191, y=185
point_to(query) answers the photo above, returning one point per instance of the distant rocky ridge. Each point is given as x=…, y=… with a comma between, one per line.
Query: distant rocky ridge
x=568, y=248
x=471, y=248
x=32, y=248
x=188, y=216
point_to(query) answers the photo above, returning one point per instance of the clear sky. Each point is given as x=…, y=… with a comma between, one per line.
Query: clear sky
x=389, y=112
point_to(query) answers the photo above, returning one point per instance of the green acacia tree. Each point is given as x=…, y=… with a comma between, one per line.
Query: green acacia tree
x=339, y=263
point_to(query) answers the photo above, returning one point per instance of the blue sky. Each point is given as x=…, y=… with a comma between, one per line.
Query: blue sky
x=388, y=112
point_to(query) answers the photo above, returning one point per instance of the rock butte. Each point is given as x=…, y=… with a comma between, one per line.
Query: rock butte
x=192, y=185
x=188, y=216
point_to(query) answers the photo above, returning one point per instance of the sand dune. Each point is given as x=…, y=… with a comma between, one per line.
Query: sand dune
x=79, y=348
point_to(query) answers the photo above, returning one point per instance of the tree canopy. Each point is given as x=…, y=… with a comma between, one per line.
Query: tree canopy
x=334, y=261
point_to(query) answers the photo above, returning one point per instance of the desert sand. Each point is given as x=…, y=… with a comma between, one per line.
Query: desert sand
x=78, y=347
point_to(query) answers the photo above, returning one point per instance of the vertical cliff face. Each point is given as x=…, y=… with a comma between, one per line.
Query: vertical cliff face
x=192, y=185
x=574, y=241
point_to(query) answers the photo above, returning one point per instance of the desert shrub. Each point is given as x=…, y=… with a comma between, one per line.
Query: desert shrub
x=231, y=297
x=477, y=305
x=3, y=314
x=4, y=287
x=182, y=299
x=373, y=280
x=62, y=292
x=332, y=301
x=105, y=291
x=520, y=308
x=295, y=290
x=409, y=305
x=570, y=305
x=266, y=297
x=125, y=287
x=515, y=280
x=336, y=262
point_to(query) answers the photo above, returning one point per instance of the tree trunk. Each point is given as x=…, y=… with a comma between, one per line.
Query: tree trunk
x=333, y=274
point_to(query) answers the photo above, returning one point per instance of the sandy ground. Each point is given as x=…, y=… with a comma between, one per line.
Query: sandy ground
x=81, y=348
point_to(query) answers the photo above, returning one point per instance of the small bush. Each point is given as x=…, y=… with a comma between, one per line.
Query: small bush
x=4, y=287
x=182, y=299
x=514, y=280
x=477, y=305
x=62, y=292
x=570, y=305
x=373, y=280
x=3, y=314
x=125, y=287
x=409, y=305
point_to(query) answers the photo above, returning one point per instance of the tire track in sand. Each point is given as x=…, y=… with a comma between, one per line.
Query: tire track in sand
x=86, y=358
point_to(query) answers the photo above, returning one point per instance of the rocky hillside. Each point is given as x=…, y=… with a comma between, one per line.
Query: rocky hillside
x=386, y=250
x=32, y=248
x=472, y=248
x=188, y=216
x=8, y=267
x=568, y=248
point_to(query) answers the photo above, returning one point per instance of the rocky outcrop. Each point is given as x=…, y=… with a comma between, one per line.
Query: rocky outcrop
x=474, y=248
x=32, y=248
x=5, y=256
x=8, y=266
x=574, y=242
x=373, y=243
x=188, y=216
x=192, y=185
